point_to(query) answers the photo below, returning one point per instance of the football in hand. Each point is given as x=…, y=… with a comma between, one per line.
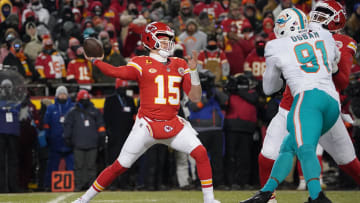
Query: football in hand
x=93, y=47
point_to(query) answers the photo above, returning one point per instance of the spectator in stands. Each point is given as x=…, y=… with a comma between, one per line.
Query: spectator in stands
x=5, y=10
x=9, y=135
x=250, y=13
x=11, y=21
x=212, y=8
x=42, y=14
x=50, y=64
x=352, y=26
x=193, y=38
x=255, y=61
x=185, y=13
x=214, y=59
x=118, y=108
x=17, y=58
x=110, y=56
x=240, y=125
x=207, y=118
x=284, y=4
x=268, y=28
x=79, y=70
x=234, y=18
x=53, y=124
x=33, y=46
x=205, y=24
x=84, y=131
x=236, y=50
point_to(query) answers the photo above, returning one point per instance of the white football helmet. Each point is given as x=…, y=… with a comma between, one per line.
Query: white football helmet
x=290, y=21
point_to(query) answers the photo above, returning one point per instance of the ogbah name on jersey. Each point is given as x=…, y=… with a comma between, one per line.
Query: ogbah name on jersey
x=304, y=36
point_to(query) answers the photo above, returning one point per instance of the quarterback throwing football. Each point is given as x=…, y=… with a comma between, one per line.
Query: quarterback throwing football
x=160, y=80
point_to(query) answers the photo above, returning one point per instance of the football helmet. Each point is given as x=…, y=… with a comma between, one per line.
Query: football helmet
x=290, y=21
x=151, y=38
x=330, y=14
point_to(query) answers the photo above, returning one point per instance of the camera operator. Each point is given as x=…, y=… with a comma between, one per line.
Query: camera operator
x=207, y=119
x=240, y=126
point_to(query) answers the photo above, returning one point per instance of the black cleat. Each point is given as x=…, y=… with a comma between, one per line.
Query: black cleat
x=259, y=197
x=321, y=199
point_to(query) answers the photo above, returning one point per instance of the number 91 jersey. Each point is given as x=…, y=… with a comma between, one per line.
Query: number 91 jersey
x=306, y=60
x=160, y=85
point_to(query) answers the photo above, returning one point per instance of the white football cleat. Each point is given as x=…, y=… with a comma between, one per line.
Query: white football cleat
x=302, y=185
x=216, y=201
x=272, y=201
x=273, y=198
x=80, y=200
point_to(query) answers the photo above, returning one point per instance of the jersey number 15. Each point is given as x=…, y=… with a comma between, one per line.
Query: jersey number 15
x=161, y=99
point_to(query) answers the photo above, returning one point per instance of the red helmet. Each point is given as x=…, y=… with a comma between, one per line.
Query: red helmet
x=329, y=13
x=152, y=32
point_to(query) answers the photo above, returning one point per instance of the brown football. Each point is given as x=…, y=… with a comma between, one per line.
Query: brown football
x=93, y=47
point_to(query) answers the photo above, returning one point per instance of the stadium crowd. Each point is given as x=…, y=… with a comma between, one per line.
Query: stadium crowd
x=42, y=41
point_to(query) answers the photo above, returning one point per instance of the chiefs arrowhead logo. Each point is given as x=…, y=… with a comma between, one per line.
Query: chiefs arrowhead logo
x=339, y=44
x=181, y=71
x=152, y=70
x=168, y=128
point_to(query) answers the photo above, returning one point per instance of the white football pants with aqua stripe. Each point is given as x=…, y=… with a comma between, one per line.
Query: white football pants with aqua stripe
x=312, y=113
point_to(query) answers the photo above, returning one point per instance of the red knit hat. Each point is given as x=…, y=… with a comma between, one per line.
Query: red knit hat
x=82, y=94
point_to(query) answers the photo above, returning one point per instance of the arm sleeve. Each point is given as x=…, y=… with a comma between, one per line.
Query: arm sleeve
x=129, y=72
x=186, y=83
x=341, y=79
x=272, y=81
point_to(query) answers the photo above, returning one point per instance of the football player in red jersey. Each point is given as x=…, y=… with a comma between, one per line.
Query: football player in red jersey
x=160, y=80
x=336, y=142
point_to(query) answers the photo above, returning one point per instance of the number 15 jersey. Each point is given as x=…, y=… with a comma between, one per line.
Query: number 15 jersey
x=305, y=60
x=159, y=83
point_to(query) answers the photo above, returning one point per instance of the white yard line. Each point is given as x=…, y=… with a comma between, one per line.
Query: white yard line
x=61, y=198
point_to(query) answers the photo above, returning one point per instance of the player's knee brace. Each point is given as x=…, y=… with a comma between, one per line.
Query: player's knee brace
x=309, y=162
x=199, y=154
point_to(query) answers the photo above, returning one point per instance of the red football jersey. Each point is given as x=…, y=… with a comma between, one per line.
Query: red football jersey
x=255, y=64
x=160, y=84
x=347, y=47
x=228, y=23
x=213, y=9
x=53, y=65
x=80, y=70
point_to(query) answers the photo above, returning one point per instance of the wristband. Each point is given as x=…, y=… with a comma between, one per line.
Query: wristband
x=194, y=76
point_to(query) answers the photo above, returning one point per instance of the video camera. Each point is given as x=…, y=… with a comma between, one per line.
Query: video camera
x=240, y=82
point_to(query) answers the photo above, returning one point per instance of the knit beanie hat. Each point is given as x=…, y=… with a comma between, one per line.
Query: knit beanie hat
x=61, y=89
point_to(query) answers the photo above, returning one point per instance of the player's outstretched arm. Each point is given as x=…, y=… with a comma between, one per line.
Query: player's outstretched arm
x=195, y=91
x=123, y=72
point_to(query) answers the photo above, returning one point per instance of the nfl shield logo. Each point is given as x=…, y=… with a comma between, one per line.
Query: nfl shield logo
x=168, y=128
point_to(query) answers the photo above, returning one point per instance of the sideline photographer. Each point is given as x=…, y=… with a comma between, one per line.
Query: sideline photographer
x=240, y=125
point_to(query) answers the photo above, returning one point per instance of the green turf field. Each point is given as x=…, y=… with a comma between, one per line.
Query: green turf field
x=175, y=196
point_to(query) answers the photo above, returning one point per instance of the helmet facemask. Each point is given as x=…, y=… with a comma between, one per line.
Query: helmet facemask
x=165, y=46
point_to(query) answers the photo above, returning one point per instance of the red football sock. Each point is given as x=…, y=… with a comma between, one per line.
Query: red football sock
x=352, y=169
x=108, y=175
x=203, y=166
x=265, y=166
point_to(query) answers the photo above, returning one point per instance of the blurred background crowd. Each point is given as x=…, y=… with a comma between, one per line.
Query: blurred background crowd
x=70, y=116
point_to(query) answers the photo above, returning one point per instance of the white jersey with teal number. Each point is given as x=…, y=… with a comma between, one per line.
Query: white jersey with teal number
x=305, y=61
